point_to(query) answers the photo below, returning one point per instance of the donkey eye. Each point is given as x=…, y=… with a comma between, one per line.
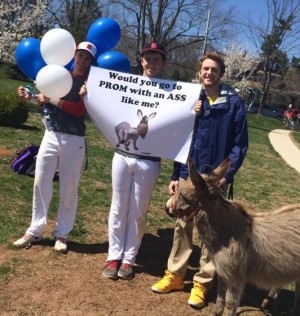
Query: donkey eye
x=184, y=198
x=213, y=193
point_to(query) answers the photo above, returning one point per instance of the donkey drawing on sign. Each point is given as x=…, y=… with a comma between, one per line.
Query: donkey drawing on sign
x=259, y=248
x=127, y=134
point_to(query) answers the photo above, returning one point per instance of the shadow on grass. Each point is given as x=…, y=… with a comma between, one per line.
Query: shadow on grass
x=77, y=247
x=28, y=127
x=24, y=127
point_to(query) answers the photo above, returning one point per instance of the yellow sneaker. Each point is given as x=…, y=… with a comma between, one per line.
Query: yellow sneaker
x=170, y=282
x=197, y=297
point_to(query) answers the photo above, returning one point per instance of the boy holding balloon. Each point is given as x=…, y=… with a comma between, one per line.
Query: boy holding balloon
x=62, y=149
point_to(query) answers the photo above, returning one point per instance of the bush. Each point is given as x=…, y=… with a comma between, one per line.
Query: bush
x=13, y=110
x=11, y=71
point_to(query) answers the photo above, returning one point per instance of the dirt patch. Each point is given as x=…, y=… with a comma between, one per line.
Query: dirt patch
x=46, y=283
x=6, y=152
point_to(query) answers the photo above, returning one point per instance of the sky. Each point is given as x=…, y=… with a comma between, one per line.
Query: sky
x=258, y=11
x=249, y=6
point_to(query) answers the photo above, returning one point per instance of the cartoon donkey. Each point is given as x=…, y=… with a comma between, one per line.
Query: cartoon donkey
x=126, y=133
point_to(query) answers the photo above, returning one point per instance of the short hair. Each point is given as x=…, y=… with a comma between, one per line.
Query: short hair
x=215, y=57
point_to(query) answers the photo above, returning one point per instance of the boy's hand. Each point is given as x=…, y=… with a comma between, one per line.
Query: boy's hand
x=198, y=107
x=83, y=90
x=24, y=93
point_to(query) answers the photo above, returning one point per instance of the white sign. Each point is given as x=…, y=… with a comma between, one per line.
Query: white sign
x=141, y=115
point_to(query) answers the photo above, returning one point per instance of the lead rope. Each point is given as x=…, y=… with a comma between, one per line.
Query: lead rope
x=230, y=192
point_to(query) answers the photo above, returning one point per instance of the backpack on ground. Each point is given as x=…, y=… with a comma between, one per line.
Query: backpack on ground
x=24, y=161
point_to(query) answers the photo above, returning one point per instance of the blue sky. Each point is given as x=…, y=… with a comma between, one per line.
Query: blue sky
x=255, y=9
x=245, y=6
x=258, y=11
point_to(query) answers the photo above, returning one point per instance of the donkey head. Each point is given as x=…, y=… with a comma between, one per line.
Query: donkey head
x=142, y=127
x=197, y=190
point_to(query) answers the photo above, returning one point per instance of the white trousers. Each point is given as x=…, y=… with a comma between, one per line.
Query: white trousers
x=133, y=181
x=65, y=153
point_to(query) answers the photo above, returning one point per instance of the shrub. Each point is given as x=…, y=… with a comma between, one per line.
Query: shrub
x=11, y=71
x=13, y=110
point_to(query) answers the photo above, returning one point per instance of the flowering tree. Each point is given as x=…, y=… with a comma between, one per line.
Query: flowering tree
x=238, y=64
x=19, y=19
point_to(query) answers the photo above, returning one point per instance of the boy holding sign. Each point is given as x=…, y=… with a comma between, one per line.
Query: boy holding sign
x=133, y=181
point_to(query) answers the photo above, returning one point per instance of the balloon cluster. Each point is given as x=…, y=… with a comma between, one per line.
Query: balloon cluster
x=48, y=61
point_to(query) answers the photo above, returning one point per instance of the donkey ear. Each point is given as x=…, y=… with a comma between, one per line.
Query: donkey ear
x=151, y=116
x=221, y=170
x=140, y=114
x=195, y=177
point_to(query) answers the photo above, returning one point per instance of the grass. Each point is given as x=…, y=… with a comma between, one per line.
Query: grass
x=7, y=269
x=264, y=182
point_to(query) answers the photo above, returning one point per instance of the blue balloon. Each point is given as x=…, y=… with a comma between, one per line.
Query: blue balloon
x=114, y=60
x=104, y=33
x=29, y=58
x=70, y=66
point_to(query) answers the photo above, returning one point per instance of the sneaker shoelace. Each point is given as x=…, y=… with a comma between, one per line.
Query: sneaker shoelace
x=200, y=287
x=111, y=264
x=168, y=276
x=27, y=237
x=63, y=241
x=126, y=266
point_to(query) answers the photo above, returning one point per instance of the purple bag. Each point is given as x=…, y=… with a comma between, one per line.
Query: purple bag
x=24, y=162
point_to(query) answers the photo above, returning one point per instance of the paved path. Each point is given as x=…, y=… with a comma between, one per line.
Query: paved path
x=286, y=148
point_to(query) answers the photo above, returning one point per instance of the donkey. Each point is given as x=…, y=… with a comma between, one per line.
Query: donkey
x=126, y=133
x=262, y=249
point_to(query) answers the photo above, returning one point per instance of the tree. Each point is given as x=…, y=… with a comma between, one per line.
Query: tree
x=275, y=39
x=238, y=63
x=76, y=16
x=19, y=19
x=176, y=24
x=296, y=62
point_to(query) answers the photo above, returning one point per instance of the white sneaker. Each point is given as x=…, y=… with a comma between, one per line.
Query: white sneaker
x=26, y=241
x=60, y=245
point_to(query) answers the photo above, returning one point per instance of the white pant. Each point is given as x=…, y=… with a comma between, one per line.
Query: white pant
x=65, y=153
x=133, y=181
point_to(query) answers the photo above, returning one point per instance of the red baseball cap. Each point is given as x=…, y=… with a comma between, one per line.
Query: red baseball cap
x=154, y=47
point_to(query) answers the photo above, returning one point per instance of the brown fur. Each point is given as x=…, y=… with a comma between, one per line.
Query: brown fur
x=262, y=249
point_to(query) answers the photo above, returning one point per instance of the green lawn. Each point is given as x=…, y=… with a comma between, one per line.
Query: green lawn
x=264, y=181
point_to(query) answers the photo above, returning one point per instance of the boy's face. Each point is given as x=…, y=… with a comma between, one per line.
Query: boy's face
x=210, y=73
x=152, y=63
x=83, y=60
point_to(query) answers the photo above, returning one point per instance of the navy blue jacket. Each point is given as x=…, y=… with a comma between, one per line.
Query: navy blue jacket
x=220, y=131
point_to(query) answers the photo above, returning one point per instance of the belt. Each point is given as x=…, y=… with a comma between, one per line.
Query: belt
x=121, y=152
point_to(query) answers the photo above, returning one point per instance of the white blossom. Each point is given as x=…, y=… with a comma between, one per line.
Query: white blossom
x=238, y=62
x=19, y=19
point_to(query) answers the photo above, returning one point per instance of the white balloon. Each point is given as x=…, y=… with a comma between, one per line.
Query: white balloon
x=54, y=81
x=58, y=47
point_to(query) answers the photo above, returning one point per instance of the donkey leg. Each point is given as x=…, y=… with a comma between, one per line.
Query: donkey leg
x=134, y=144
x=232, y=299
x=119, y=139
x=272, y=296
x=297, y=298
x=220, y=303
